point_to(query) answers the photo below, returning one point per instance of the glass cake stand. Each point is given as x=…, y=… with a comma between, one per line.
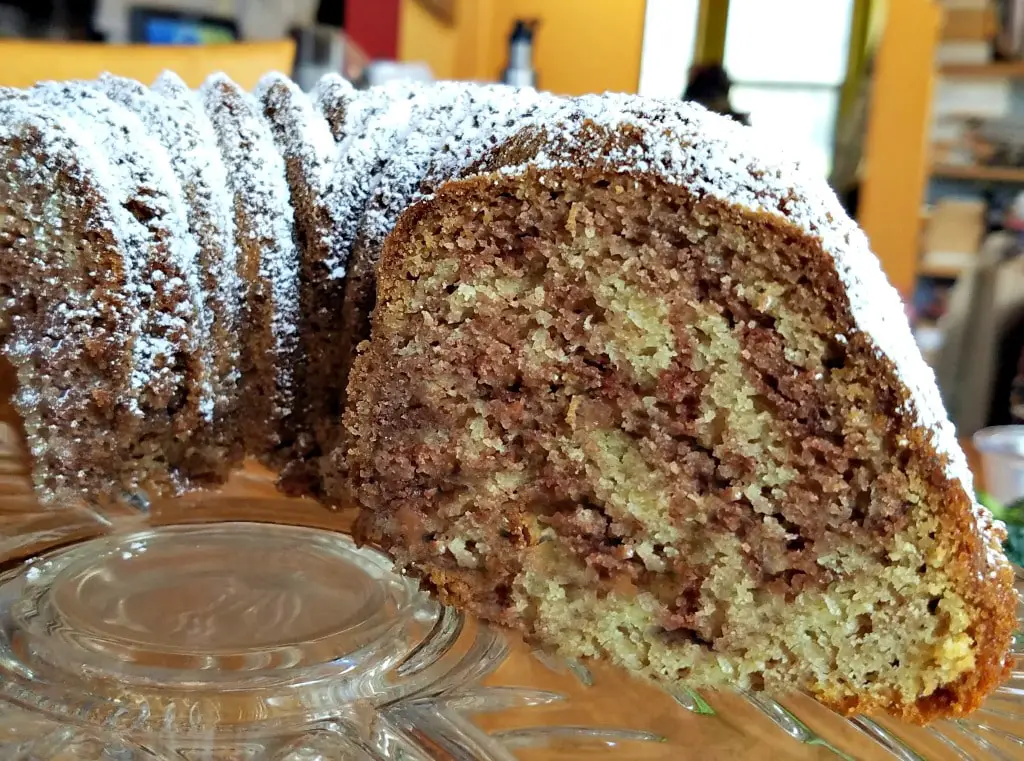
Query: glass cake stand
x=205, y=628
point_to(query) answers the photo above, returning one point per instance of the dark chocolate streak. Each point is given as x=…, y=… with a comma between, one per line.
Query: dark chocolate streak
x=836, y=492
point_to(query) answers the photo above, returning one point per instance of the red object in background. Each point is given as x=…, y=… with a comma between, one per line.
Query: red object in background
x=373, y=25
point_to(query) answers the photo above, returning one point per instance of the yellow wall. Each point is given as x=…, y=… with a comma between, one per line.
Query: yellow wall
x=28, y=61
x=712, y=20
x=896, y=150
x=582, y=45
x=421, y=37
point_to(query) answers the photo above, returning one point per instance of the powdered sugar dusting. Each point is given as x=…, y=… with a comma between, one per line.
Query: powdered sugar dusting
x=303, y=138
x=376, y=123
x=257, y=179
x=331, y=96
x=494, y=114
x=712, y=155
x=398, y=185
x=155, y=228
x=172, y=127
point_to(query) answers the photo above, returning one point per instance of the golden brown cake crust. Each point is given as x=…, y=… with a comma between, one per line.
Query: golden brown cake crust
x=379, y=410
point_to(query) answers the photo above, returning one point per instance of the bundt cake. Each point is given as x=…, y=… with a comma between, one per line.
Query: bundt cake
x=633, y=383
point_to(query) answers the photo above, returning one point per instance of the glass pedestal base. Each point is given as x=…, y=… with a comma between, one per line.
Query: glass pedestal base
x=237, y=641
x=262, y=642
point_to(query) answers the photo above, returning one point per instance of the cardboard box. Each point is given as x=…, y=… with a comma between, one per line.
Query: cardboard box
x=953, y=236
x=969, y=24
x=963, y=53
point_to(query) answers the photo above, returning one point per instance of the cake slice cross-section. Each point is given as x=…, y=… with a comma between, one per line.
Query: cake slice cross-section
x=637, y=387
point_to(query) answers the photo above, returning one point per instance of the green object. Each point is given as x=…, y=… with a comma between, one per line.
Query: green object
x=1014, y=544
x=1012, y=513
x=1013, y=516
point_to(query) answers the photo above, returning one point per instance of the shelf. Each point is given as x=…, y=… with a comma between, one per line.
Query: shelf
x=996, y=69
x=979, y=173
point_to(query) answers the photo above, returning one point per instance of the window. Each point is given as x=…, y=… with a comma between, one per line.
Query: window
x=787, y=59
x=670, y=32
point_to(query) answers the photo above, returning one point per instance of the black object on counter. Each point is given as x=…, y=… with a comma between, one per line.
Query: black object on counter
x=520, y=71
x=710, y=86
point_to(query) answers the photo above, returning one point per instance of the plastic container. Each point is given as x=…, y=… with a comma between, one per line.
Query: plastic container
x=1002, y=461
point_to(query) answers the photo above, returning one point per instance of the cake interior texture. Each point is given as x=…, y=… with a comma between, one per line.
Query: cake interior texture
x=642, y=426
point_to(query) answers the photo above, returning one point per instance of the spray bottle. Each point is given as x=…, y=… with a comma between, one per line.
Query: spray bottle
x=520, y=71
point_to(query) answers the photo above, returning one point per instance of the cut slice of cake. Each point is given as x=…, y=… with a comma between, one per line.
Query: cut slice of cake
x=642, y=391
x=453, y=124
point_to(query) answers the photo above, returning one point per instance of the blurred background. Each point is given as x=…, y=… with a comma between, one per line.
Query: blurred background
x=913, y=109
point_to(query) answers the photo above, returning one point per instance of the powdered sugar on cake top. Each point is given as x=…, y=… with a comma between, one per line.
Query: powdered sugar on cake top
x=257, y=178
x=331, y=96
x=304, y=138
x=398, y=184
x=376, y=123
x=713, y=155
x=173, y=128
x=493, y=114
x=155, y=231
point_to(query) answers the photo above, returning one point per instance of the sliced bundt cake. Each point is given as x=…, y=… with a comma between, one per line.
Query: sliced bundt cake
x=72, y=319
x=635, y=385
x=168, y=372
x=268, y=265
x=642, y=391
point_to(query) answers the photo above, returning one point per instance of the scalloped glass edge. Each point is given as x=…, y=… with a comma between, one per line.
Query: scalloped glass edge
x=995, y=731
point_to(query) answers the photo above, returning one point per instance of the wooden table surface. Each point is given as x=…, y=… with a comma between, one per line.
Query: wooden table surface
x=736, y=732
